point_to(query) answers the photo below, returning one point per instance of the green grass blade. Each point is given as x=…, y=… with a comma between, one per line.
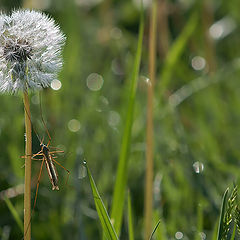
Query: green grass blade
x=14, y=213
x=199, y=222
x=101, y=210
x=220, y=225
x=154, y=230
x=121, y=178
x=234, y=232
x=130, y=219
x=176, y=50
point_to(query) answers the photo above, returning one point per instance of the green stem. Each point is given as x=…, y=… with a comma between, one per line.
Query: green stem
x=149, y=132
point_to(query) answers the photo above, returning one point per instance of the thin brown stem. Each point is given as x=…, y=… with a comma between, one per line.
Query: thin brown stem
x=207, y=19
x=149, y=133
x=28, y=153
x=163, y=30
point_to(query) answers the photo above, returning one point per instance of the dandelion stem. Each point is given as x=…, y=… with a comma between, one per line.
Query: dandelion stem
x=28, y=150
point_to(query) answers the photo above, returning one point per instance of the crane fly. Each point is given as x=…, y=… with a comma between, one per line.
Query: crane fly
x=47, y=156
x=52, y=172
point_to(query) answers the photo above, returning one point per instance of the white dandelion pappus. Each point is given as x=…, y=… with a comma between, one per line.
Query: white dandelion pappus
x=30, y=51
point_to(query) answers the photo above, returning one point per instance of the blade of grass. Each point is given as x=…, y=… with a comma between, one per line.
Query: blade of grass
x=101, y=210
x=130, y=218
x=155, y=229
x=121, y=178
x=161, y=233
x=14, y=212
x=234, y=232
x=215, y=231
x=220, y=225
x=176, y=50
x=148, y=198
x=199, y=222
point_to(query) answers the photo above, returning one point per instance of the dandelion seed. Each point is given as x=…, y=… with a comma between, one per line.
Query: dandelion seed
x=30, y=51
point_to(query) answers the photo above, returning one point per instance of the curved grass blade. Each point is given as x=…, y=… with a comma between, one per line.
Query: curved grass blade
x=121, y=178
x=101, y=210
x=155, y=229
x=220, y=225
x=130, y=218
x=14, y=213
x=176, y=50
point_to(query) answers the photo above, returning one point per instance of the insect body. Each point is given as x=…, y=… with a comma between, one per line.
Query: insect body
x=52, y=172
x=47, y=156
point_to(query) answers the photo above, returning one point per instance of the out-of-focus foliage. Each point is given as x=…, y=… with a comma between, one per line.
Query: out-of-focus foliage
x=196, y=119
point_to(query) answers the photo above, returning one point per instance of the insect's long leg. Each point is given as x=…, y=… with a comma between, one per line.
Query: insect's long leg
x=68, y=172
x=38, y=181
x=37, y=154
x=51, y=147
x=61, y=166
x=34, y=155
x=56, y=152
x=35, y=199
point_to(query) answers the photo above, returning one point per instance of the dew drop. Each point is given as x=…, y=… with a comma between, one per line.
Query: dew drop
x=113, y=118
x=116, y=33
x=198, y=63
x=74, y=125
x=116, y=67
x=56, y=84
x=203, y=235
x=178, y=235
x=198, y=167
x=94, y=82
x=222, y=28
x=80, y=151
x=82, y=171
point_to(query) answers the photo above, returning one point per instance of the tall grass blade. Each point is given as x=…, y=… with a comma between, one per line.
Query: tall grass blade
x=101, y=210
x=221, y=223
x=199, y=222
x=121, y=178
x=154, y=230
x=14, y=213
x=176, y=50
x=130, y=218
x=148, y=198
x=234, y=232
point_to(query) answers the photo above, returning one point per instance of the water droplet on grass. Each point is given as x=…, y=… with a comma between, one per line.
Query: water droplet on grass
x=82, y=171
x=74, y=125
x=198, y=167
x=113, y=118
x=198, y=63
x=178, y=235
x=94, y=82
x=56, y=84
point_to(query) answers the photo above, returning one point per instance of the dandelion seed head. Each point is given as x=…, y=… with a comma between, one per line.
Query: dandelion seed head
x=30, y=51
